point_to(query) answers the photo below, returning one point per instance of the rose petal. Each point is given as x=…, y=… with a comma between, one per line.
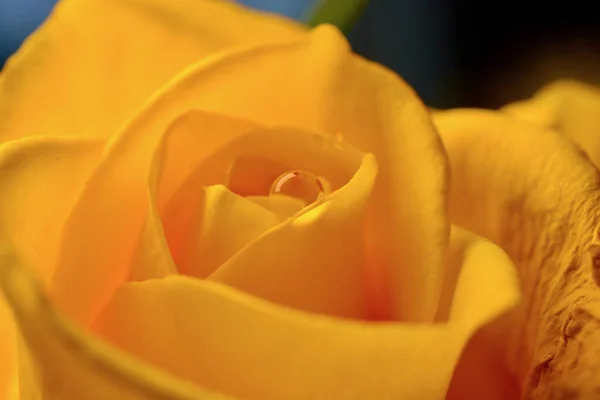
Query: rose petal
x=533, y=193
x=40, y=181
x=479, y=269
x=282, y=149
x=569, y=106
x=224, y=224
x=185, y=171
x=94, y=63
x=313, y=262
x=117, y=210
x=313, y=253
x=282, y=205
x=504, y=168
x=299, y=354
x=192, y=230
x=321, y=89
x=253, y=176
x=67, y=363
x=8, y=348
x=232, y=342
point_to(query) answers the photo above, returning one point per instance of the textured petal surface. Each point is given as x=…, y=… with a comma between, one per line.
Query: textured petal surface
x=532, y=192
x=94, y=63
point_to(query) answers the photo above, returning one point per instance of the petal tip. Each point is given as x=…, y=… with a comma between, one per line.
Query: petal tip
x=328, y=33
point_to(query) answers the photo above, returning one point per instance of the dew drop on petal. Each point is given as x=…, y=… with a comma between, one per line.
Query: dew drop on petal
x=302, y=185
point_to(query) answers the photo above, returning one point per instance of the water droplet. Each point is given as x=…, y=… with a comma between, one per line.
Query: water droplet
x=302, y=185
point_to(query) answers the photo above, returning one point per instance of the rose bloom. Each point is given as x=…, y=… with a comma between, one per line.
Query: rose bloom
x=199, y=201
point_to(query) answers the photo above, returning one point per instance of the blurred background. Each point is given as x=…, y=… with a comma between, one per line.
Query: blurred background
x=453, y=52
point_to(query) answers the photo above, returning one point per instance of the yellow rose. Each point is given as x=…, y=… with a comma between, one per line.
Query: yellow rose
x=202, y=202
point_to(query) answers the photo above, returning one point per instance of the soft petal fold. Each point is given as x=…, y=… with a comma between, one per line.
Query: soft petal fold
x=283, y=206
x=94, y=63
x=319, y=92
x=67, y=363
x=243, y=346
x=478, y=269
x=40, y=180
x=8, y=350
x=115, y=226
x=224, y=224
x=315, y=261
x=216, y=332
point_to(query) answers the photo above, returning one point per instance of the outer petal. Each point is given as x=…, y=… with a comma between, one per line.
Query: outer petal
x=228, y=341
x=95, y=62
x=533, y=193
x=40, y=180
x=571, y=107
x=66, y=363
